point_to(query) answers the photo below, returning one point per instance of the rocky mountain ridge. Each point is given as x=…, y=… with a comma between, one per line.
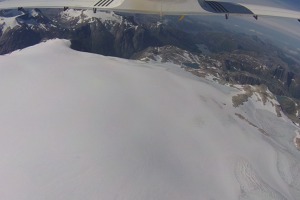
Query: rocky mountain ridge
x=233, y=68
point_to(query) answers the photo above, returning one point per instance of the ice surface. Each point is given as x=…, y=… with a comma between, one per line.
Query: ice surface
x=75, y=125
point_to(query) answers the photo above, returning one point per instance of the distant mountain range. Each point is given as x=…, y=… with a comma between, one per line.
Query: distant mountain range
x=201, y=47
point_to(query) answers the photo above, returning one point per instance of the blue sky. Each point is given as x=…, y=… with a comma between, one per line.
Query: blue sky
x=291, y=4
x=279, y=30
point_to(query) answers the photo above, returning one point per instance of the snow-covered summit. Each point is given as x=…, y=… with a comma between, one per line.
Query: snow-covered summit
x=8, y=23
x=82, y=16
x=32, y=19
x=83, y=126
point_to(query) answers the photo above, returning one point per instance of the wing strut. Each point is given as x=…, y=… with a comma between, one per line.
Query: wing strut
x=226, y=16
x=161, y=11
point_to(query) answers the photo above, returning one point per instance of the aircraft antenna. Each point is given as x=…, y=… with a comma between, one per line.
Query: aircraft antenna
x=161, y=12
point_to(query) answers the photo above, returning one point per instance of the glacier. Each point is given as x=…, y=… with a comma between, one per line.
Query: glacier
x=75, y=125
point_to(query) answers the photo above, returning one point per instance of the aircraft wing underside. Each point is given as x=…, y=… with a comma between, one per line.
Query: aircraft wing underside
x=163, y=7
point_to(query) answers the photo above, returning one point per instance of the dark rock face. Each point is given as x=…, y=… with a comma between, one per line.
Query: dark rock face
x=249, y=69
x=93, y=38
x=294, y=87
x=18, y=38
x=124, y=40
x=290, y=77
x=284, y=75
x=279, y=73
x=246, y=79
x=118, y=40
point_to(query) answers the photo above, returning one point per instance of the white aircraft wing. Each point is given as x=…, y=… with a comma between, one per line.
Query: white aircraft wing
x=255, y=10
x=166, y=7
x=104, y=4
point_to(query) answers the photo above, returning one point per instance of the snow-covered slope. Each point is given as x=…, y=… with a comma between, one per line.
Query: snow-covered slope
x=82, y=126
x=8, y=23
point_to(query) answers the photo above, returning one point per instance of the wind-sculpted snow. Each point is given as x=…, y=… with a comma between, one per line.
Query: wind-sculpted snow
x=75, y=125
x=252, y=187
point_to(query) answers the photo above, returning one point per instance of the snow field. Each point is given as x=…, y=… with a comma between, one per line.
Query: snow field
x=75, y=125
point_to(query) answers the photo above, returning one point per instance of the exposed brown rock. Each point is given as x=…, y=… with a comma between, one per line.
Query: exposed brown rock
x=297, y=143
x=250, y=123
